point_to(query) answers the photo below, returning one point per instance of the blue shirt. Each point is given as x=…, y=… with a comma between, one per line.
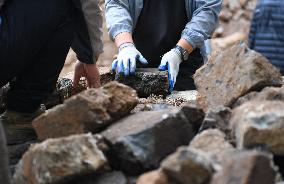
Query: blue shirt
x=122, y=16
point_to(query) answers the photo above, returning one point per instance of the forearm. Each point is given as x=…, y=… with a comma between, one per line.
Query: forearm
x=184, y=44
x=123, y=38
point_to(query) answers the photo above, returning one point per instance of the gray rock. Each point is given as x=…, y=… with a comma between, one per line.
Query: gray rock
x=89, y=111
x=147, y=81
x=154, y=177
x=151, y=107
x=115, y=177
x=194, y=115
x=218, y=118
x=213, y=142
x=17, y=151
x=232, y=73
x=269, y=93
x=179, y=98
x=188, y=165
x=246, y=168
x=260, y=124
x=56, y=160
x=139, y=142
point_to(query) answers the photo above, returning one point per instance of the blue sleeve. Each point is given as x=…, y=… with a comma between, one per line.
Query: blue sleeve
x=203, y=23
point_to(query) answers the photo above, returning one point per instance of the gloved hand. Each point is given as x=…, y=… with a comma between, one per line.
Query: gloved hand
x=171, y=61
x=126, y=59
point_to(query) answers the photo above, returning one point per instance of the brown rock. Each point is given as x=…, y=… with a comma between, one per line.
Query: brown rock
x=260, y=124
x=154, y=177
x=88, y=111
x=232, y=73
x=213, y=143
x=218, y=118
x=188, y=165
x=147, y=81
x=269, y=93
x=246, y=168
x=141, y=141
x=57, y=160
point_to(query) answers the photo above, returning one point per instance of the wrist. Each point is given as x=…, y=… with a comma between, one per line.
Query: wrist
x=183, y=53
x=125, y=45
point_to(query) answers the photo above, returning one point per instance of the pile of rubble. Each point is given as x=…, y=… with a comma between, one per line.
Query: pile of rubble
x=234, y=26
x=230, y=132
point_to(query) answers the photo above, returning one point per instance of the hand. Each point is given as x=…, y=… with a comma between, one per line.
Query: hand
x=126, y=59
x=171, y=62
x=90, y=72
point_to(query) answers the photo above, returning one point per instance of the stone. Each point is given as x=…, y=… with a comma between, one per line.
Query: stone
x=147, y=81
x=246, y=168
x=188, y=165
x=232, y=73
x=269, y=93
x=194, y=115
x=154, y=177
x=259, y=125
x=218, y=118
x=89, y=111
x=106, y=75
x=17, y=151
x=213, y=142
x=115, y=177
x=141, y=141
x=57, y=160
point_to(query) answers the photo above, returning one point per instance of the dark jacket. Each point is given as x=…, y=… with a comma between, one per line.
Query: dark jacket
x=267, y=31
x=93, y=18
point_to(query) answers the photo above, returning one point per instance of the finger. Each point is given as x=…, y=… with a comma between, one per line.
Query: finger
x=120, y=66
x=132, y=66
x=142, y=59
x=164, y=65
x=126, y=64
x=114, y=65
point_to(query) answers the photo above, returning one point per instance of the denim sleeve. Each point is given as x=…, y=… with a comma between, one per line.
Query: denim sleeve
x=203, y=22
x=253, y=28
x=118, y=17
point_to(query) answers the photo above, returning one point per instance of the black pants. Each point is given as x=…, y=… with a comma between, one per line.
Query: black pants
x=35, y=37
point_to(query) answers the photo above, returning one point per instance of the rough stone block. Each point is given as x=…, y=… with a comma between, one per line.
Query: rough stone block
x=218, y=118
x=154, y=177
x=147, y=81
x=139, y=142
x=89, y=111
x=269, y=93
x=57, y=160
x=188, y=165
x=232, y=73
x=260, y=124
x=246, y=168
x=213, y=142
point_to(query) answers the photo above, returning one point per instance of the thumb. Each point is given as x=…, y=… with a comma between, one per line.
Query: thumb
x=142, y=59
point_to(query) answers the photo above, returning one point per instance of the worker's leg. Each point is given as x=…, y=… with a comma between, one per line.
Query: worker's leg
x=187, y=70
x=35, y=36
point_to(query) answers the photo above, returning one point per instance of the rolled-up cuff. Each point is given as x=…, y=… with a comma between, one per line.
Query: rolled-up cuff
x=119, y=28
x=195, y=39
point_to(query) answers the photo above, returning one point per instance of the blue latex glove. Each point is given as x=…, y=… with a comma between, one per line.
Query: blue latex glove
x=126, y=59
x=171, y=61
